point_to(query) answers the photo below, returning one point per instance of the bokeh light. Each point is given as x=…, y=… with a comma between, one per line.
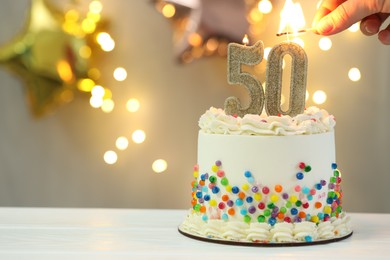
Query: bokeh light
x=132, y=105
x=105, y=41
x=319, y=97
x=85, y=85
x=168, y=10
x=325, y=43
x=95, y=7
x=266, y=52
x=98, y=91
x=107, y=105
x=354, y=27
x=120, y=74
x=265, y=6
x=122, y=143
x=110, y=157
x=138, y=136
x=159, y=166
x=96, y=101
x=85, y=52
x=354, y=74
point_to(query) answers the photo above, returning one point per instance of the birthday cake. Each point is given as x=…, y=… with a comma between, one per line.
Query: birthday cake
x=267, y=180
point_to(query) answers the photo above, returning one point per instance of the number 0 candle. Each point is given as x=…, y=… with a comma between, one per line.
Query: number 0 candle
x=297, y=81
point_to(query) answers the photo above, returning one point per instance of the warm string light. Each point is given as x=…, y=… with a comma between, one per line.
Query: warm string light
x=159, y=166
x=265, y=6
x=325, y=43
x=319, y=97
x=354, y=74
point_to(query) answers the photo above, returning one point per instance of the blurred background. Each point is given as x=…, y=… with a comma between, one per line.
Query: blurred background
x=131, y=142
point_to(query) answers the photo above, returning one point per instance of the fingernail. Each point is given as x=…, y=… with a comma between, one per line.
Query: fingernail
x=324, y=26
x=369, y=29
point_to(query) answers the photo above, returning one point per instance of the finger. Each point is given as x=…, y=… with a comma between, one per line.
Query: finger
x=384, y=35
x=346, y=14
x=325, y=8
x=371, y=24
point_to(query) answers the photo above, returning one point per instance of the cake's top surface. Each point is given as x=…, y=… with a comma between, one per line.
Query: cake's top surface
x=312, y=121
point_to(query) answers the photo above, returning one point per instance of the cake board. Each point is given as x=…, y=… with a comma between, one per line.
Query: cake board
x=261, y=244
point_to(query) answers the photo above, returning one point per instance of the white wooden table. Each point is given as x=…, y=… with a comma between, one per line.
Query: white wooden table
x=50, y=233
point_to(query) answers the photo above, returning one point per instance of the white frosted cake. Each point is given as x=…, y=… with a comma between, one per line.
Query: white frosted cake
x=267, y=180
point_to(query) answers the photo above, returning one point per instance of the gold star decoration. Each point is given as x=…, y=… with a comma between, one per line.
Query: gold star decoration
x=204, y=27
x=51, y=54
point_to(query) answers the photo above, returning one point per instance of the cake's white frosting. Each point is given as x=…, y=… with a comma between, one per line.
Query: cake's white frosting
x=253, y=160
x=312, y=121
x=263, y=232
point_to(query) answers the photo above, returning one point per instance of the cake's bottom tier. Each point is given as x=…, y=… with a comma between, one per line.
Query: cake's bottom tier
x=283, y=233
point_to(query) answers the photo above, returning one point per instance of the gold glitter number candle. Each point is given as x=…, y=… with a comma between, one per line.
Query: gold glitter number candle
x=249, y=55
x=297, y=81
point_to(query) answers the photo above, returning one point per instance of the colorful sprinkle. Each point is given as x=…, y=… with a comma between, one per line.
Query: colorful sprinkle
x=224, y=217
x=302, y=165
x=251, y=180
x=245, y=187
x=308, y=239
x=224, y=181
x=261, y=205
x=261, y=218
x=220, y=173
x=265, y=190
x=273, y=203
x=239, y=202
x=272, y=221
x=278, y=188
x=306, y=190
x=251, y=209
x=247, y=219
x=257, y=196
x=248, y=174
x=274, y=198
x=225, y=197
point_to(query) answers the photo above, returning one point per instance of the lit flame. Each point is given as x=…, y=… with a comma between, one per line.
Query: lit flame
x=245, y=40
x=291, y=17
